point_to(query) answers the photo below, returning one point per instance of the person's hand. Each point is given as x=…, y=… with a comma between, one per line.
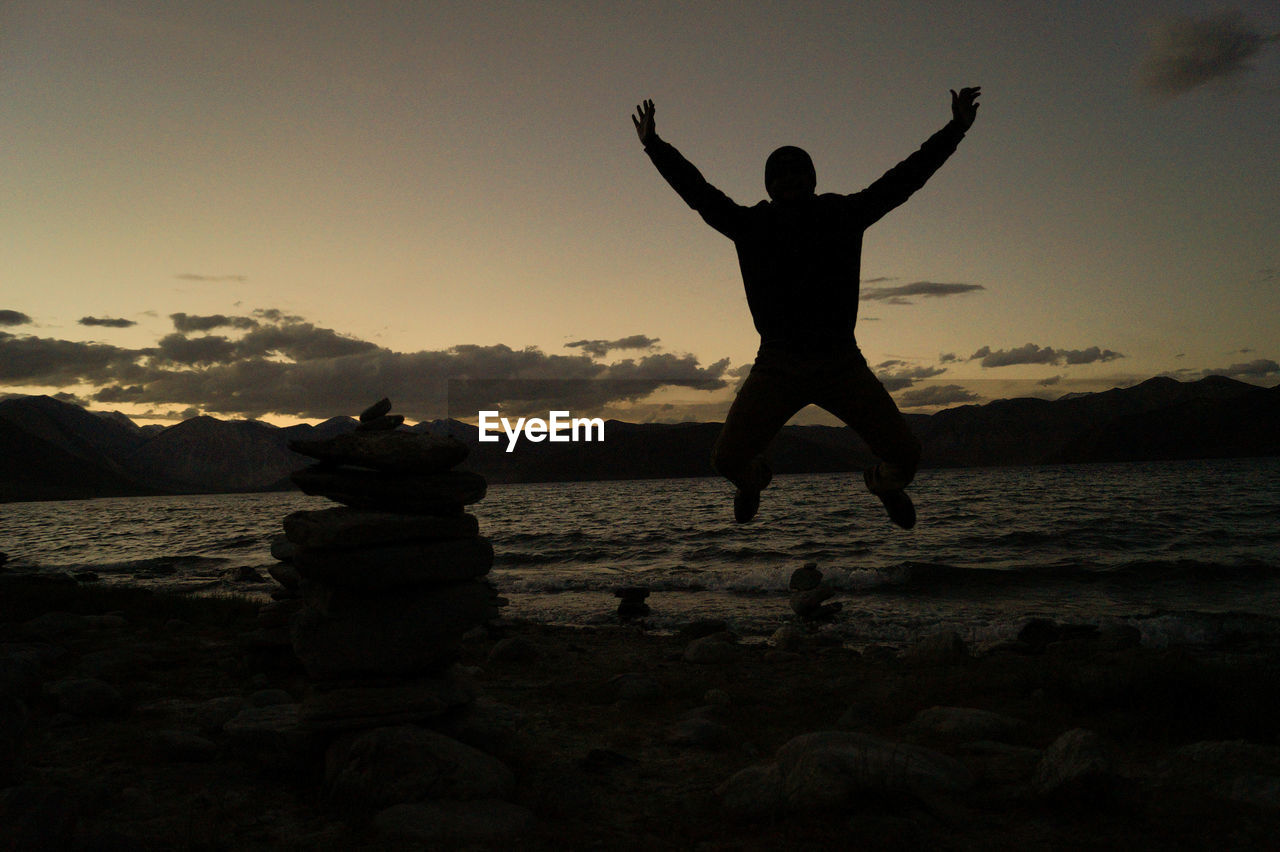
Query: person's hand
x=964, y=106
x=643, y=120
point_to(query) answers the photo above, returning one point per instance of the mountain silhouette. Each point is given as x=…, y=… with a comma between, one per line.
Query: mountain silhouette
x=54, y=450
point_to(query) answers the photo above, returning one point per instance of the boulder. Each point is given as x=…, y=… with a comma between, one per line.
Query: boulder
x=835, y=770
x=389, y=766
x=1075, y=764
x=88, y=697
x=717, y=649
x=967, y=723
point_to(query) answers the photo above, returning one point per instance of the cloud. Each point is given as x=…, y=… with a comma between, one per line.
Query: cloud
x=107, y=322
x=948, y=358
x=1259, y=368
x=928, y=289
x=908, y=377
x=1049, y=382
x=14, y=318
x=189, y=322
x=1185, y=53
x=212, y=349
x=39, y=361
x=931, y=395
x=601, y=348
x=281, y=364
x=192, y=276
x=1030, y=353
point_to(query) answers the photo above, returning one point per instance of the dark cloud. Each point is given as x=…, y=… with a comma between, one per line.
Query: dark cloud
x=212, y=349
x=14, y=318
x=29, y=360
x=880, y=280
x=901, y=294
x=1049, y=382
x=906, y=378
x=948, y=358
x=192, y=276
x=1259, y=368
x=1030, y=353
x=107, y=322
x=931, y=395
x=601, y=348
x=1185, y=53
x=283, y=365
x=189, y=322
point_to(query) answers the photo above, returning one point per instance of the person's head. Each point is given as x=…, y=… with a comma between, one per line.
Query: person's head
x=789, y=174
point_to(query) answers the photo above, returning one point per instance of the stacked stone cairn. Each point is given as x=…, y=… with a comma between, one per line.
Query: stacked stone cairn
x=391, y=580
x=809, y=594
x=631, y=605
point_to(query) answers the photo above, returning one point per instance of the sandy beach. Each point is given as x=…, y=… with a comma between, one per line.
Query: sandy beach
x=120, y=711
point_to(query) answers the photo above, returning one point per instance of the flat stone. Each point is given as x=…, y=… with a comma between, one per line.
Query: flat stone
x=380, y=424
x=378, y=409
x=404, y=763
x=391, y=450
x=359, y=707
x=398, y=565
x=343, y=528
x=427, y=494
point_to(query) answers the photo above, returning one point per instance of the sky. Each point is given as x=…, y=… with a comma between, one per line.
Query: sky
x=287, y=210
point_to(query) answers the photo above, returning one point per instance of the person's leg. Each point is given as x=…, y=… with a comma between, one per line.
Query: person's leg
x=856, y=396
x=767, y=400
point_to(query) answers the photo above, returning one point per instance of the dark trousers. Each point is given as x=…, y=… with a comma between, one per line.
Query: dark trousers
x=781, y=383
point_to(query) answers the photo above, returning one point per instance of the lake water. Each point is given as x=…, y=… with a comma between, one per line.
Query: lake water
x=1169, y=546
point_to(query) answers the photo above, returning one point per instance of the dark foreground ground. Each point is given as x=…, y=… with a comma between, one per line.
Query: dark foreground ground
x=617, y=741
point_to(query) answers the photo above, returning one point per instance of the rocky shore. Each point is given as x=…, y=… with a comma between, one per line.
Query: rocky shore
x=133, y=720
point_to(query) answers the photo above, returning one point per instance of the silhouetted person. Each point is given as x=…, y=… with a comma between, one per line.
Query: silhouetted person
x=799, y=254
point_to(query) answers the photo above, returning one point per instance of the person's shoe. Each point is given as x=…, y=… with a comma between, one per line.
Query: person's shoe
x=745, y=505
x=896, y=502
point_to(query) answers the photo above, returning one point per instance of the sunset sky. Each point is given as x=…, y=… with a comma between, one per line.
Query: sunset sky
x=286, y=210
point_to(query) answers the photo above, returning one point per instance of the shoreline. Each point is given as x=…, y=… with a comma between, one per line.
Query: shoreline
x=621, y=738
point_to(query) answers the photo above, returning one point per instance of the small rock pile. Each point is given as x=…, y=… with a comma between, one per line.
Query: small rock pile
x=809, y=593
x=390, y=580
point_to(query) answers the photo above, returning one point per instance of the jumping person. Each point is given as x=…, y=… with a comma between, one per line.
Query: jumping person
x=799, y=254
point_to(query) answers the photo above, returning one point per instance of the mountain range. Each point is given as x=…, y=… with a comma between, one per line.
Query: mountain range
x=55, y=450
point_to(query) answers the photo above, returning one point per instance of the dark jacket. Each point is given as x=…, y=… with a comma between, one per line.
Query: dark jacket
x=800, y=261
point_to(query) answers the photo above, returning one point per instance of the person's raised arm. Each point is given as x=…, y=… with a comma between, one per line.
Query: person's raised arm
x=643, y=120
x=897, y=184
x=716, y=209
